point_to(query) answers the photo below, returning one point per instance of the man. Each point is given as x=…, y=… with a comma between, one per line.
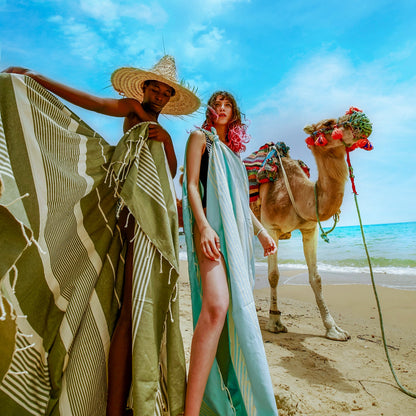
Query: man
x=81, y=243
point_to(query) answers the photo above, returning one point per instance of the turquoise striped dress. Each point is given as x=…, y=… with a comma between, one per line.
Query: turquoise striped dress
x=239, y=382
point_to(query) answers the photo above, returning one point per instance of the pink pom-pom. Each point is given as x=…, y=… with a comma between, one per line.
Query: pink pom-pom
x=364, y=144
x=321, y=140
x=337, y=134
x=353, y=110
x=310, y=141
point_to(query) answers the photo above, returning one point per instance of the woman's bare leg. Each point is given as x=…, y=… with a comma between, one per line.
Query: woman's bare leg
x=215, y=301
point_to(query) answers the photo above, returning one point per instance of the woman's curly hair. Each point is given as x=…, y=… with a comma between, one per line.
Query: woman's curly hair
x=237, y=130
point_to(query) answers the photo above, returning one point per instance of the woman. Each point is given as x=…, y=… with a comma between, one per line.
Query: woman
x=218, y=224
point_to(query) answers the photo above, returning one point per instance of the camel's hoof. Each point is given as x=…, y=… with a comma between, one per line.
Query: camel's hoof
x=337, y=334
x=275, y=327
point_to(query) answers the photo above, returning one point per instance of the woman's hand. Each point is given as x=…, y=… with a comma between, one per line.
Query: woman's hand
x=210, y=243
x=267, y=242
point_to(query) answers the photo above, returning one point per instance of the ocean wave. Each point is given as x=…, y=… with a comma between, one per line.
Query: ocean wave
x=324, y=267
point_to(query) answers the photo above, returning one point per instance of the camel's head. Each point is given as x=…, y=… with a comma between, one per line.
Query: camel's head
x=351, y=130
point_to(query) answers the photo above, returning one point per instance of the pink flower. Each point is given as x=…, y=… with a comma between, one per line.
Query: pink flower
x=337, y=134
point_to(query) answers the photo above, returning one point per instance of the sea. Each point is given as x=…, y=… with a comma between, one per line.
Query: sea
x=391, y=249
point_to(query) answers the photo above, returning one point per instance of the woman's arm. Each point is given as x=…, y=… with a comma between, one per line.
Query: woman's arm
x=265, y=240
x=210, y=242
x=108, y=106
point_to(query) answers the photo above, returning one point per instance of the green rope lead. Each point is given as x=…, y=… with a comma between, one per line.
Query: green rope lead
x=324, y=234
x=403, y=389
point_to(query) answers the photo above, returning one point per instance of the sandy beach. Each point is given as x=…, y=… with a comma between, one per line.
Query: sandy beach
x=312, y=375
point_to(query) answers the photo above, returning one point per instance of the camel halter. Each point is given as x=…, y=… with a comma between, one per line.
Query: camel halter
x=324, y=234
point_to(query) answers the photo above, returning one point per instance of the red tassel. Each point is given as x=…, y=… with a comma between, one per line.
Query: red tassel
x=309, y=141
x=321, y=140
x=364, y=144
x=353, y=110
x=337, y=134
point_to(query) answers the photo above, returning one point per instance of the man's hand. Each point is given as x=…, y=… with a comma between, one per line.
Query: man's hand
x=158, y=133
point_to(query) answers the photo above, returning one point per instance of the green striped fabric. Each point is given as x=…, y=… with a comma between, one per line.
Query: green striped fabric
x=62, y=260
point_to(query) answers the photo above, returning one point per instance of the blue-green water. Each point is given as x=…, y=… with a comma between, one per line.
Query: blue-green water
x=392, y=250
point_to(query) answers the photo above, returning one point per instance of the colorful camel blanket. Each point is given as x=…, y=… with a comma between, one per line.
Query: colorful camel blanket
x=62, y=257
x=239, y=382
x=263, y=166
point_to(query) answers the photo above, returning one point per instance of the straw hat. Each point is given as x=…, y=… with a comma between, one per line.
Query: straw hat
x=129, y=81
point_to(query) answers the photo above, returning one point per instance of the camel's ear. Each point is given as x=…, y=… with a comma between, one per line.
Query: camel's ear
x=309, y=129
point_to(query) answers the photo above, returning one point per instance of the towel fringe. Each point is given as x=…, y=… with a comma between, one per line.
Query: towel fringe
x=2, y=309
x=170, y=274
x=16, y=272
x=17, y=199
x=225, y=388
x=127, y=219
x=135, y=236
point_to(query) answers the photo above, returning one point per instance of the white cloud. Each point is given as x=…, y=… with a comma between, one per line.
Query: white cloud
x=205, y=43
x=110, y=12
x=84, y=41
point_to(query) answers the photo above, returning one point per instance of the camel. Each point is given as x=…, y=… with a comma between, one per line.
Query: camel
x=328, y=142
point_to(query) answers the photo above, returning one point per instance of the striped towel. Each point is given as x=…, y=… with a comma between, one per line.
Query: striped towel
x=263, y=166
x=62, y=261
x=238, y=384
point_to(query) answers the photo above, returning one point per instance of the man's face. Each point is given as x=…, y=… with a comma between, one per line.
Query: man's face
x=156, y=95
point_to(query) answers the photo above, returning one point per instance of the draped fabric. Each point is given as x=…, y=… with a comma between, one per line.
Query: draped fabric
x=239, y=382
x=62, y=257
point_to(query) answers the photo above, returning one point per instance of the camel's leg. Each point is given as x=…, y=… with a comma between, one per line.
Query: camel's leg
x=274, y=324
x=310, y=242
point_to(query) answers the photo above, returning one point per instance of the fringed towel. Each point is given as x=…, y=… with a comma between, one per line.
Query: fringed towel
x=62, y=261
x=239, y=383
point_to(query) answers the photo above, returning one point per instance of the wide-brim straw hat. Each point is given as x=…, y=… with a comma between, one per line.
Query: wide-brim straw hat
x=129, y=81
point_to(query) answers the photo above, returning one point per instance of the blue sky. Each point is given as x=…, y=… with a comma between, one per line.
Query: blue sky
x=289, y=63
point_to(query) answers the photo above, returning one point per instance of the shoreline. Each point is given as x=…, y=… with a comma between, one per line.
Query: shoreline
x=299, y=276
x=312, y=375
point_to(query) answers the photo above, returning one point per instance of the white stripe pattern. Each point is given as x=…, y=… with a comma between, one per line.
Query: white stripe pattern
x=143, y=257
x=146, y=172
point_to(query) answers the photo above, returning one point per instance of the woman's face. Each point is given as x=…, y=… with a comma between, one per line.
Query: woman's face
x=224, y=108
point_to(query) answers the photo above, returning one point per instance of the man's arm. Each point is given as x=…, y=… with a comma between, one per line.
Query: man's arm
x=108, y=106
